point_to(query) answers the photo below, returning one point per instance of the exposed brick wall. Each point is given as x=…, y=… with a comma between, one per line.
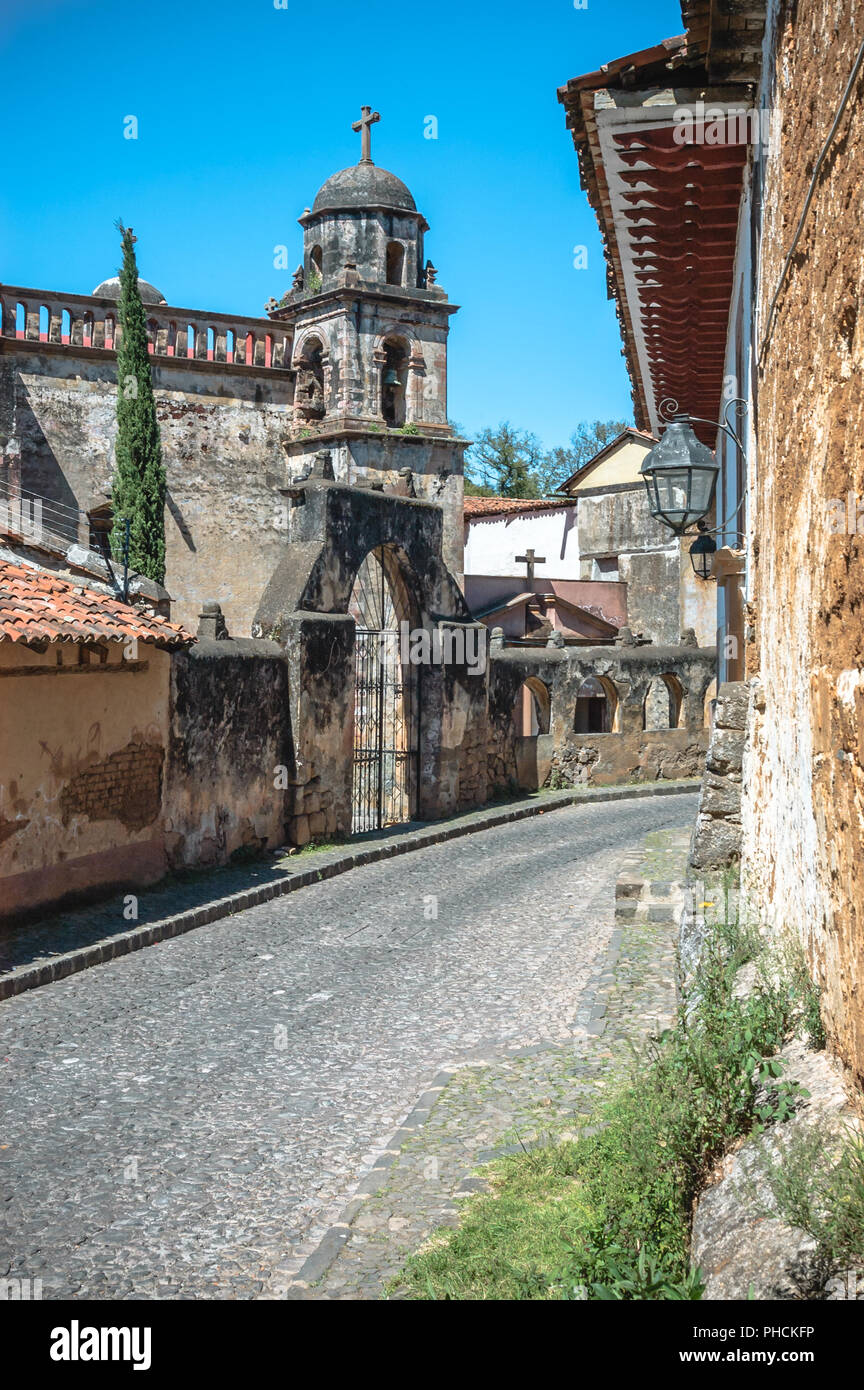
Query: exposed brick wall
x=126, y=786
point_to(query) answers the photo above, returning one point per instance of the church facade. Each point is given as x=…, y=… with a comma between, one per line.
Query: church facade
x=354, y=362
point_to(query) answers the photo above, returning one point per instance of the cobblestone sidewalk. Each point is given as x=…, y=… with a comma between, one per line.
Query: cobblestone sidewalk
x=519, y=1098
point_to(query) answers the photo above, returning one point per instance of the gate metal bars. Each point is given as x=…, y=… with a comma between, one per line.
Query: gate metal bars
x=386, y=708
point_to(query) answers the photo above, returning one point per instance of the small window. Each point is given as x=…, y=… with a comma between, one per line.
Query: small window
x=395, y=262
x=662, y=706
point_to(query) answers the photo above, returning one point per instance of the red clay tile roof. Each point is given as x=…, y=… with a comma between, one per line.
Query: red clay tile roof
x=504, y=506
x=37, y=606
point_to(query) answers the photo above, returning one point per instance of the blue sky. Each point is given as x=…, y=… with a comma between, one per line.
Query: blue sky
x=244, y=109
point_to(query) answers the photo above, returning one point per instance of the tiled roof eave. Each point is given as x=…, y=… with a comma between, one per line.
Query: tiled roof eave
x=37, y=607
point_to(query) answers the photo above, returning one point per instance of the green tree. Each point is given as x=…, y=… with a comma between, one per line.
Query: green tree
x=138, y=487
x=503, y=463
x=588, y=438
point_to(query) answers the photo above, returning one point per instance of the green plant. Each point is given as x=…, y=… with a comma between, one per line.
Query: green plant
x=812, y=1015
x=644, y=1280
x=558, y=781
x=138, y=487
x=813, y=1178
x=619, y=1199
x=410, y=428
x=313, y=282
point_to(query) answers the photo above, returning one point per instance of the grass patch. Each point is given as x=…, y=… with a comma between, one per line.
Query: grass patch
x=607, y=1216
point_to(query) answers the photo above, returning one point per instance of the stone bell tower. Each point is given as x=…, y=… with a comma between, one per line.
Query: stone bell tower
x=370, y=326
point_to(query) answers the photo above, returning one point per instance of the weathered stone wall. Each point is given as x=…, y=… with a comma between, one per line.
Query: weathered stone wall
x=229, y=751
x=231, y=440
x=664, y=597
x=363, y=457
x=717, y=833
x=223, y=432
x=803, y=812
x=628, y=752
x=82, y=754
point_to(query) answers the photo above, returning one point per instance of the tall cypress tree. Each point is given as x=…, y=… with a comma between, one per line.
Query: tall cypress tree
x=138, y=489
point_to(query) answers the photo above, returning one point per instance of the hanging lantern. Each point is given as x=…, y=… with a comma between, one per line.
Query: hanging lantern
x=680, y=476
x=702, y=552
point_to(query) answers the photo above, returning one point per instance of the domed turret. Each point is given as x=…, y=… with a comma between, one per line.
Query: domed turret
x=363, y=186
x=363, y=218
x=110, y=289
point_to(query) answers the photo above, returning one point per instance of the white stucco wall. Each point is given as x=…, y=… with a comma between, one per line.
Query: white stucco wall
x=492, y=543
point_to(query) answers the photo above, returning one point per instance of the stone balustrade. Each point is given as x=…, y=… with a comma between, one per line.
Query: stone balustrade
x=88, y=323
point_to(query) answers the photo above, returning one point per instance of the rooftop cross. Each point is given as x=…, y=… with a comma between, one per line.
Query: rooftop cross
x=529, y=559
x=364, y=125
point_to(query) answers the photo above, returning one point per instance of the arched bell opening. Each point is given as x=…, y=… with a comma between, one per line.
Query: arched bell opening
x=394, y=378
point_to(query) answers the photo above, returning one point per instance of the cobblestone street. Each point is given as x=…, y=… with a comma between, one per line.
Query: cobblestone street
x=190, y=1120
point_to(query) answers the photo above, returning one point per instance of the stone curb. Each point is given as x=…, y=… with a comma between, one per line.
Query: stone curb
x=590, y=1019
x=45, y=972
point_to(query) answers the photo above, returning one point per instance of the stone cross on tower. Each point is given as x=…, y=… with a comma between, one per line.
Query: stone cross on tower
x=367, y=119
x=529, y=559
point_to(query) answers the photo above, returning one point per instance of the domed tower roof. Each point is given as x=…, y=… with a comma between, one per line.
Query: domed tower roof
x=363, y=185
x=110, y=289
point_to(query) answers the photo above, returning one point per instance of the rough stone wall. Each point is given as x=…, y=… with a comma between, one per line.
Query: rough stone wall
x=717, y=833
x=230, y=735
x=435, y=463
x=230, y=442
x=629, y=752
x=803, y=813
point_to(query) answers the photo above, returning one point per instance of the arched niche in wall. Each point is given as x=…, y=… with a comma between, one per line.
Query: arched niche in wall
x=395, y=263
x=532, y=709
x=596, y=709
x=309, y=398
x=661, y=708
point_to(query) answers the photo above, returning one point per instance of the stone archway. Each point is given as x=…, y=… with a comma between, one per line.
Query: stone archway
x=307, y=608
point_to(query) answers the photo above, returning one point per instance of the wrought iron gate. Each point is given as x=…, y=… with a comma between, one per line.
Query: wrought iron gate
x=386, y=708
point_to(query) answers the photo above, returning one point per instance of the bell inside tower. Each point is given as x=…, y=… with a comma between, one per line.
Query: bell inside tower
x=393, y=384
